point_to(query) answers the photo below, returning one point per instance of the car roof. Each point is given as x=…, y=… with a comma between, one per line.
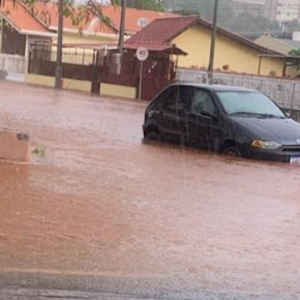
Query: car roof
x=215, y=87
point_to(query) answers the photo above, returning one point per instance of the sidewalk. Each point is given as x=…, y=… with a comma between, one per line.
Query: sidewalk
x=15, y=77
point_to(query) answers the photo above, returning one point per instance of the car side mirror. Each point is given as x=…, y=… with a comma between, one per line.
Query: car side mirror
x=288, y=114
x=207, y=113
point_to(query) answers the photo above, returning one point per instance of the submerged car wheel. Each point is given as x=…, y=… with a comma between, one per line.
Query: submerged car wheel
x=152, y=135
x=232, y=151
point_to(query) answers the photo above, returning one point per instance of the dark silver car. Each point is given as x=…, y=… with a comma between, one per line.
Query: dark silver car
x=230, y=120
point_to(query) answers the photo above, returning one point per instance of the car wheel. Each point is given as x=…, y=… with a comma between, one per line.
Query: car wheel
x=232, y=151
x=153, y=136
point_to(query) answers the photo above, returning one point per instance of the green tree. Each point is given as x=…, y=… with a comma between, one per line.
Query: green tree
x=227, y=17
x=246, y=22
x=187, y=12
x=204, y=8
x=78, y=12
x=295, y=52
x=155, y=5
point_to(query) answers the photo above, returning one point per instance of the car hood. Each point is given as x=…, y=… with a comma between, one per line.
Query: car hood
x=283, y=131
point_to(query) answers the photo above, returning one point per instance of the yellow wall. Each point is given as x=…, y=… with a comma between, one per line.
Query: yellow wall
x=77, y=85
x=69, y=84
x=40, y=80
x=196, y=42
x=118, y=91
x=84, y=86
x=76, y=38
x=90, y=39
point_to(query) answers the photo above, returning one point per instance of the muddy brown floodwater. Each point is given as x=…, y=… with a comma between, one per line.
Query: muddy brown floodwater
x=150, y=220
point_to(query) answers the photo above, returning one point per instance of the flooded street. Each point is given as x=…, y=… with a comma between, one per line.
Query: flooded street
x=101, y=211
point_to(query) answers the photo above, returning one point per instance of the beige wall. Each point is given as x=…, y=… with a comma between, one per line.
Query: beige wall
x=196, y=42
x=118, y=91
x=84, y=86
x=40, y=80
x=76, y=38
x=69, y=84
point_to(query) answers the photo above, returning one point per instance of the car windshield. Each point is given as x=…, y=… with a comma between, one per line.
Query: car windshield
x=249, y=103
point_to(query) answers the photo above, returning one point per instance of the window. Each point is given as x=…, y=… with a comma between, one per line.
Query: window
x=248, y=103
x=185, y=96
x=171, y=101
x=202, y=101
x=179, y=98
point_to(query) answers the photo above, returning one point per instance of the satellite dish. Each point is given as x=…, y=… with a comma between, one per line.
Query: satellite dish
x=142, y=22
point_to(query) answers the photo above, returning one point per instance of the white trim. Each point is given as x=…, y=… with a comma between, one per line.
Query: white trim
x=27, y=54
x=27, y=47
x=38, y=33
x=87, y=33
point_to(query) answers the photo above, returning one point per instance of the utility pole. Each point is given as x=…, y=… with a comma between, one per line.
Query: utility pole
x=213, y=42
x=122, y=27
x=58, y=71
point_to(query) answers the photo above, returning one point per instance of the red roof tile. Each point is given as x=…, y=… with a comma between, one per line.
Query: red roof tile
x=48, y=13
x=20, y=17
x=163, y=30
x=172, y=27
x=45, y=14
x=132, y=16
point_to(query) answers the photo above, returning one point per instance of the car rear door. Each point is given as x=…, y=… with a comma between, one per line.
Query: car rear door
x=204, y=125
x=174, y=116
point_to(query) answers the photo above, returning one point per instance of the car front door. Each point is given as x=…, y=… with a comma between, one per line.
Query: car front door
x=204, y=129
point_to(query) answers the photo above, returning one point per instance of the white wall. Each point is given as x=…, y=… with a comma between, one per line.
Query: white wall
x=13, y=63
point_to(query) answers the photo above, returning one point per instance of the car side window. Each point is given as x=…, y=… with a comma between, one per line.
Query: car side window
x=160, y=101
x=172, y=99
x=202, y=101
x=185, y=96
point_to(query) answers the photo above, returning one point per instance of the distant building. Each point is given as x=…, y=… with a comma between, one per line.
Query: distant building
x=282, y=10
x=255, y=7
x=270, y=11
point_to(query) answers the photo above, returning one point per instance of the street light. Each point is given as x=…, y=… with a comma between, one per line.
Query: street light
x=58, y=71
x=213, y=42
